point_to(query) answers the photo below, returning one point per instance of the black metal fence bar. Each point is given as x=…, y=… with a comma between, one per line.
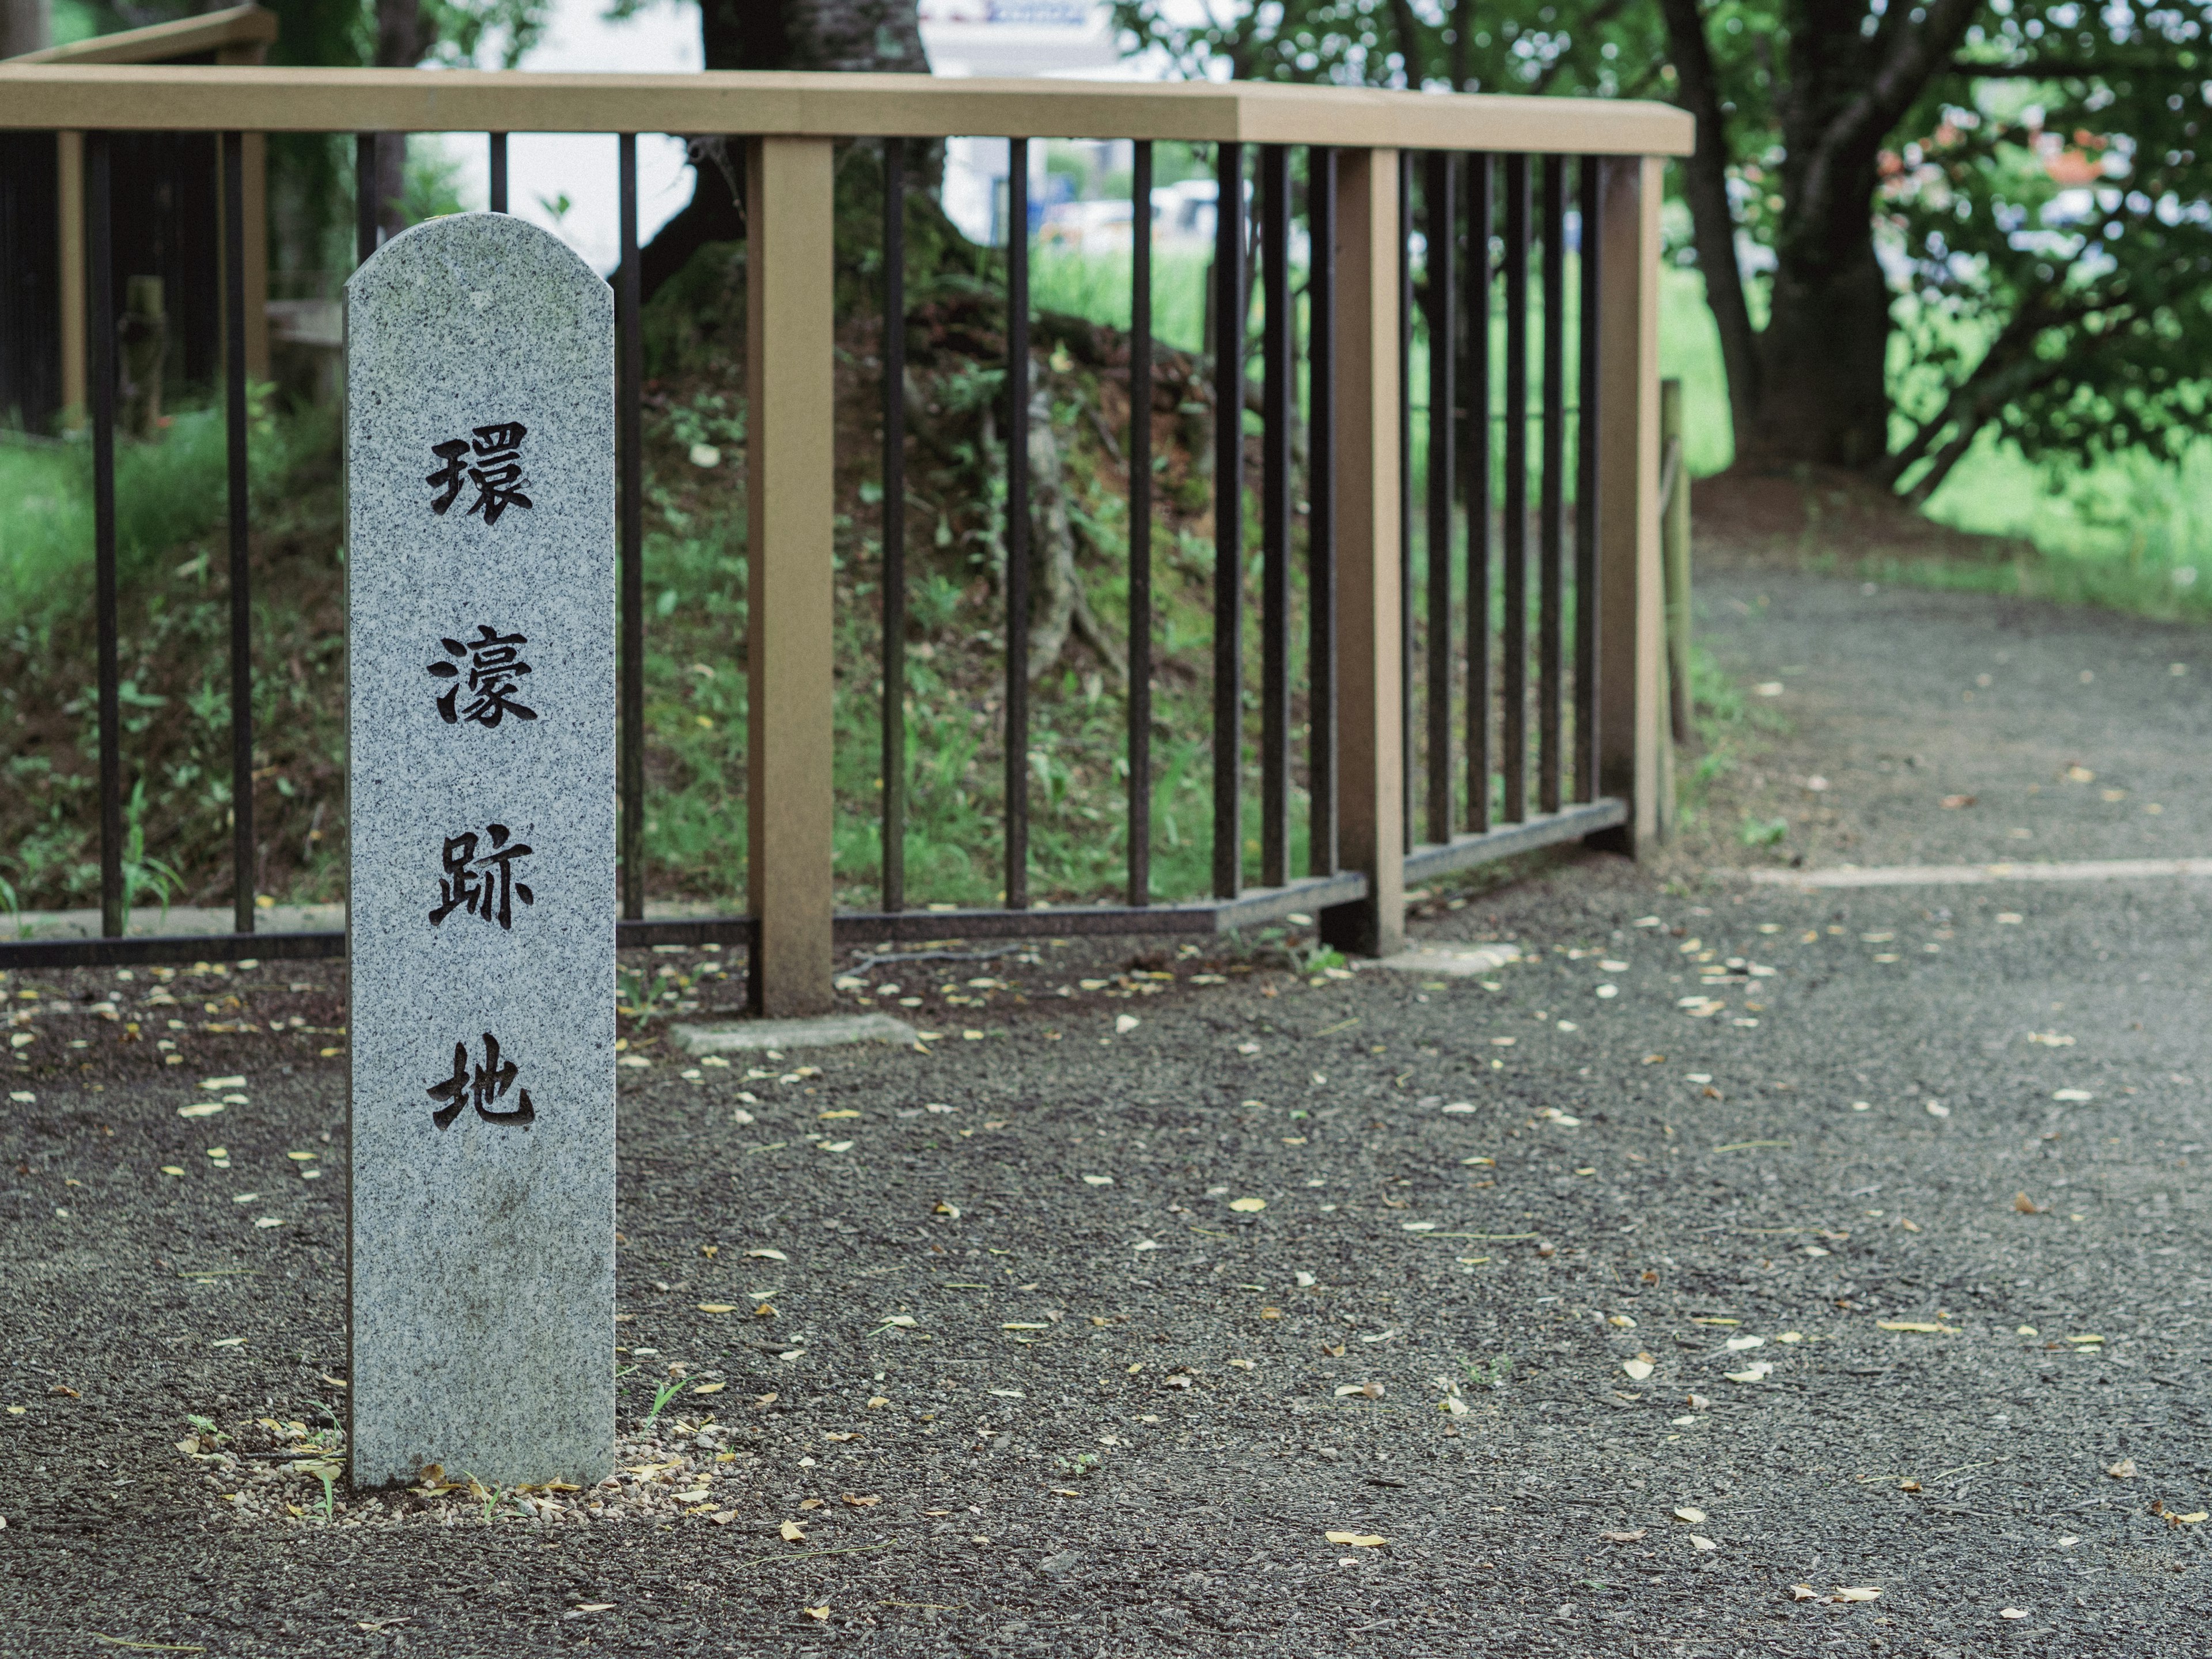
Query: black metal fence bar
x=893, y=359
x=1229, y=320
x=1140, y=528
x=241, y=592
x=1476, y=397
x=364, y=196
x=1439, y=218
x=1406, y=664
x=1544, y=829
x=1587, y=504
x=1321, y=513
x=100, y=271
x=1513, y=735
x=1279, y=396
x=1459, y=306
x=1551, y=507
x=1253, y=908
x=629, y=446
x=1018, y=524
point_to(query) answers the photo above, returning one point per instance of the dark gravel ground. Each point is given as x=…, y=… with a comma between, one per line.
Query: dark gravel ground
x=2057, y=734
x=1070, y=1458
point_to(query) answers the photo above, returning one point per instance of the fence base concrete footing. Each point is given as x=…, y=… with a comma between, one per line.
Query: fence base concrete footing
x=826, y=1032
x=1455, y=961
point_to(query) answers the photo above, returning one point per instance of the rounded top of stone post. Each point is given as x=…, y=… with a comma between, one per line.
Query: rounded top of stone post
x=478, y=246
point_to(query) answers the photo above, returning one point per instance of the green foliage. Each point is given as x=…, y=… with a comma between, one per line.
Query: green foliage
x=662, y=1393
x=2051, y=193
x=1725, y=725
x=166, y=492
x=2041, y=204
x=1490, y=1374
x=1763, y=832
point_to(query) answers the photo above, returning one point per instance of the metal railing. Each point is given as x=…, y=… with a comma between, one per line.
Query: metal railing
x=1478, y=163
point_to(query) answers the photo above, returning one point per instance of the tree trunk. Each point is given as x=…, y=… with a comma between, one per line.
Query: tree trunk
x=1813, y=385
x=1823, y=390
x=845, y=36
x=1712, y=221
x=402, y=42
x=26, y=25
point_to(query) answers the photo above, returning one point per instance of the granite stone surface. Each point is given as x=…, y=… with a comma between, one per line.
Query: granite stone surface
x=480, y=450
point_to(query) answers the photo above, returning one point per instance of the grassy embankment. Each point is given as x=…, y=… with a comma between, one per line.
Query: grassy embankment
x=2121, y=534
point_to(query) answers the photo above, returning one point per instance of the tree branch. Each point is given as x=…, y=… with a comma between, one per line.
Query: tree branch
x=1962, y=440
x=1406, y=29
x=2009, y=370
x=2076, y=69
x=1704, y=184
x=1912, y=60
x=1604, y=12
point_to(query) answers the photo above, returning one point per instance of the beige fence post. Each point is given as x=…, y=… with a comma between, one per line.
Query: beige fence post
x=1631, y=643
x=789, y=444
x=1370, y=787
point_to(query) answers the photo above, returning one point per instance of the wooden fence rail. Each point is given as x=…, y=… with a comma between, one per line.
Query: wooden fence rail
x=1607, y=677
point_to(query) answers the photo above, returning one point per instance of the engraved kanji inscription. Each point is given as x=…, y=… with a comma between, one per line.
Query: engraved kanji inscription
x=479, y=1086
x=481, y=883
x=491, y=458
x=489, y=667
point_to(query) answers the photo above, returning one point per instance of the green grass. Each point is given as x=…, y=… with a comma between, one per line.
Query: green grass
x=2128, y=534
x=166, y=492
x=2131, y=533
x=1097, y=287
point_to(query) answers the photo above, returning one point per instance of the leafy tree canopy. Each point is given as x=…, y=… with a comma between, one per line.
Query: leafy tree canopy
x=1915, y=223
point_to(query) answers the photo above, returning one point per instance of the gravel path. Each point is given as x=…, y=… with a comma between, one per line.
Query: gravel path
x=1946, y=728
x=1614, y=1316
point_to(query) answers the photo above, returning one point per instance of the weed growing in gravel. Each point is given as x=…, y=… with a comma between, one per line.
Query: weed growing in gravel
x=662, y=1393
x=1492, y=1374
x=1763, y=832
x=1727, y=727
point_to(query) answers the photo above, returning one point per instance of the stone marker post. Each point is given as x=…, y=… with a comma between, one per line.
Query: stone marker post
x=481, y=618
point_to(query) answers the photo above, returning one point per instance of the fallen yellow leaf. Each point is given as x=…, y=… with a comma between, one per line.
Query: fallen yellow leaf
x=708, y=1387
x=1637, y=1369
x=793, y=1533
x=1365, y=1540
x=718, y=1307
x=1691, y=1516
x=1248, y=1206
x=1907, y=1325
x=859, y=1502
x=817, y=1613
x=2122, y=1470
x=1863, y=1594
